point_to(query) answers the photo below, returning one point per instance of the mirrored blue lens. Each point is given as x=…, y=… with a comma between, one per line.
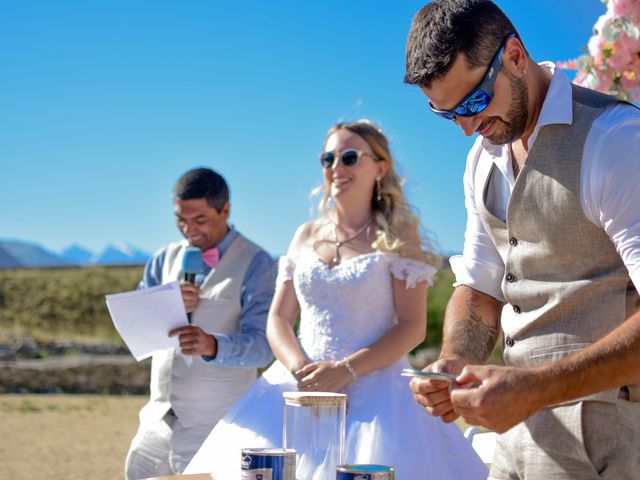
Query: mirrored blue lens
x=474, y=104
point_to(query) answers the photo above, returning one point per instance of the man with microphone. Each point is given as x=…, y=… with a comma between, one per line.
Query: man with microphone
x=227, y=284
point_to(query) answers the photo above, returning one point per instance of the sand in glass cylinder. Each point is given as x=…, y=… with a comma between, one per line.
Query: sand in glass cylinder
x=314, y=426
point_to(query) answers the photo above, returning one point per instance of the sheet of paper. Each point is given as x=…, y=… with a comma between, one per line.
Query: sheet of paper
x=144, y=318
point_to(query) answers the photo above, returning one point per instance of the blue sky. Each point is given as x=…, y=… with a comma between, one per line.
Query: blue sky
x=104, y=104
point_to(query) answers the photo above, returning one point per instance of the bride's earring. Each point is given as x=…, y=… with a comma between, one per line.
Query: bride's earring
x=379, y=188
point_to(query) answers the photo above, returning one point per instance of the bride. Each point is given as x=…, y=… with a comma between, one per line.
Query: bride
x=358, y=278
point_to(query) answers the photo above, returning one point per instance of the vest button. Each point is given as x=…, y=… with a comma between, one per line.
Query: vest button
x=513, y=241
x=516, y=309
x=510, y=277
x=509, y=342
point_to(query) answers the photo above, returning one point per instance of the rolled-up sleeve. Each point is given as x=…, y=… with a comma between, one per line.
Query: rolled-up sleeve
x=609, y=180
x=249, y=347
x=480, y=265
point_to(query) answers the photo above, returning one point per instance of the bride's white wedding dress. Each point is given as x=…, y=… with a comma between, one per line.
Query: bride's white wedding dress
x=344, y=309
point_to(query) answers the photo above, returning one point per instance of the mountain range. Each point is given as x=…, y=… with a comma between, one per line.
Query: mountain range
x=23, y=254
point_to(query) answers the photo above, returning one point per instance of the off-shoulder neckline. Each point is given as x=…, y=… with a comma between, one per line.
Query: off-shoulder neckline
x=316, y=257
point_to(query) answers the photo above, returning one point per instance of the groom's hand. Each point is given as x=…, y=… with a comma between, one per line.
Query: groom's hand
x=498, y=401
x=435, y=395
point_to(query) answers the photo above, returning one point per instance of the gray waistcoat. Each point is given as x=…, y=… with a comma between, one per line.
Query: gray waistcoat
x=201, y=393
x=564, y=282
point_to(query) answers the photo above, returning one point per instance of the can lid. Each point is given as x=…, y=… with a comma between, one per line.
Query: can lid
x=304, y=399
x=268, y=451
x=364, y=468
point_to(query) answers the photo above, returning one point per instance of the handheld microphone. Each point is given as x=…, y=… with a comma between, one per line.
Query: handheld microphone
x=191, y=265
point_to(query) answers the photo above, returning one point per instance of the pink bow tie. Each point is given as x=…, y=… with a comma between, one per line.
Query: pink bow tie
x=211, y=257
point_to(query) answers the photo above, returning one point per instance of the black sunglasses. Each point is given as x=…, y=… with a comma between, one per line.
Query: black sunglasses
x=480, y=97
x=348, y=158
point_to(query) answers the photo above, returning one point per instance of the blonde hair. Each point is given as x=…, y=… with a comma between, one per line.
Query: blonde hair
x=392, y=214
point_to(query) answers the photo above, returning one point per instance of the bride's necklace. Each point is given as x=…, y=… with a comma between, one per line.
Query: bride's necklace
x=337, y=258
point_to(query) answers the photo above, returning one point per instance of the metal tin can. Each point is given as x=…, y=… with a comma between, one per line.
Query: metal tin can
x=268, y=464
x=365, y=472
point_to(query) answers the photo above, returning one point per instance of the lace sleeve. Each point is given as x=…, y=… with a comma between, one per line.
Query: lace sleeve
x=412, y=271
x=286, y=267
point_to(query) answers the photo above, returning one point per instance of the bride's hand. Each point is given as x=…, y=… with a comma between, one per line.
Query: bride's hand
x=323, y=376
x=297, y=367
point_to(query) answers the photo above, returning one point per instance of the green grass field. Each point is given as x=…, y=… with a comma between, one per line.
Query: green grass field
x=62, y=303
x=68, y=303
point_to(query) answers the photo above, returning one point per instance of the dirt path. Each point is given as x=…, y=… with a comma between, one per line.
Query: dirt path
x=68, y=437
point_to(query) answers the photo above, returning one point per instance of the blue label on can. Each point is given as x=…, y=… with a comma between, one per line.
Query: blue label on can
x=353, y=476
x=268, y=464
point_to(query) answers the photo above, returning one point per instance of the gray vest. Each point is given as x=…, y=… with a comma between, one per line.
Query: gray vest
x=201, y=393
x=564, y=282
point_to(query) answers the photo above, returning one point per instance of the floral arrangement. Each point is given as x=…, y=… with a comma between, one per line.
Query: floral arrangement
x=613, y=62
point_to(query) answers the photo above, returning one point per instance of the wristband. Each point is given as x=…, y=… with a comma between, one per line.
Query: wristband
x=349, y=367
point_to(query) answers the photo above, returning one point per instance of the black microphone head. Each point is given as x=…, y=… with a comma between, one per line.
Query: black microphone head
x=191, y=260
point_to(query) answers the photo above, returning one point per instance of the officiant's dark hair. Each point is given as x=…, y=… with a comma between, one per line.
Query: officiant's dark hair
x=203, y=183
x=444, y=28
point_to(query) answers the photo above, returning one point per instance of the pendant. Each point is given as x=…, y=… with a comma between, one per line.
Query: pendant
x=336, y=260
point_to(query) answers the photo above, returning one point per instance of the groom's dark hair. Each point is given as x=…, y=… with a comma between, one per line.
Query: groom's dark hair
x=203, y=183
x=444, y=28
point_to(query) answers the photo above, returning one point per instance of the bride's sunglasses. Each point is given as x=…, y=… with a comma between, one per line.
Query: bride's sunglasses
x=348, y=158
x=480, y=97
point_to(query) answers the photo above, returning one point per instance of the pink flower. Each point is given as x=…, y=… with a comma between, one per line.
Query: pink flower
x=581, y=78
x=595, y=46
x=626, y=8
x=604, y=80
x=596, y=80
x=568, y=64
x=613, y=62
x=629, y=80
x=619, y=57
x=629, y=43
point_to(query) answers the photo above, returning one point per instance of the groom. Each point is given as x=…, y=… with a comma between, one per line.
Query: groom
x=552, y=252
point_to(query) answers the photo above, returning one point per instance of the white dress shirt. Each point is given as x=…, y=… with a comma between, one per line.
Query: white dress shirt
x=609, y=187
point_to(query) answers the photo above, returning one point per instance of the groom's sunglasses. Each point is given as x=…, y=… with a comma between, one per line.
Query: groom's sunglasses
x=348, y=158
x=480, y=97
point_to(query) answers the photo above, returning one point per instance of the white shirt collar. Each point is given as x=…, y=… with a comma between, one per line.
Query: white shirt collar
x=557, y=107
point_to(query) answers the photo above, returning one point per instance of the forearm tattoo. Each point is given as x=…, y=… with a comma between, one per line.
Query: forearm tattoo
x=471, y=337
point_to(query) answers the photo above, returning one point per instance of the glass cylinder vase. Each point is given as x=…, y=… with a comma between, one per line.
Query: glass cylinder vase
x=314, y=426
